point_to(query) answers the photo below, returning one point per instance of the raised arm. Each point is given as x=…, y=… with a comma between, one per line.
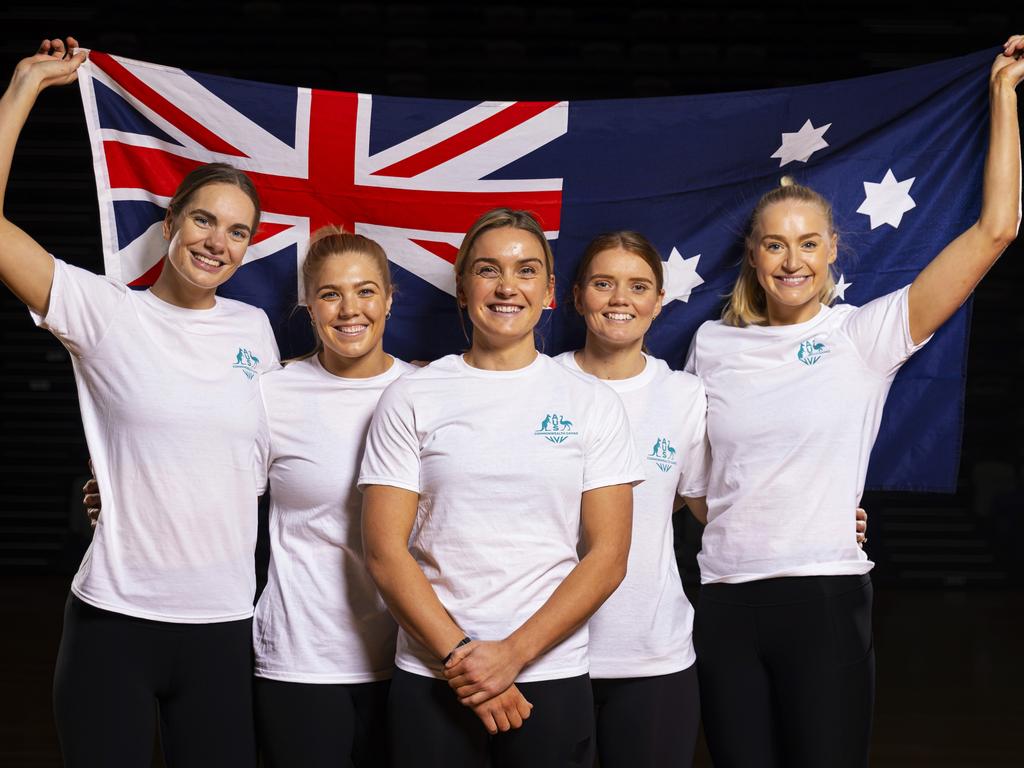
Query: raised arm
x=481, y=669
x=950, y=278
x=25, y=266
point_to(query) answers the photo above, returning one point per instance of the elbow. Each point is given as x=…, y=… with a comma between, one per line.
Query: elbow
x=1001, y=235
x=616, y=570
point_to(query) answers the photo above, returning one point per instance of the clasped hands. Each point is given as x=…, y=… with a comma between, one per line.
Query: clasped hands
x=482, y=674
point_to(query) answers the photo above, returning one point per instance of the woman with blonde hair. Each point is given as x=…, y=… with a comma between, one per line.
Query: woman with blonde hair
x=323, y=639
x=795, y=393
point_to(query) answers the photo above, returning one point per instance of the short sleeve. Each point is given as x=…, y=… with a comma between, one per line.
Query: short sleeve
x=263, y=446
x=392, y=455
x=691, y=356
x=611, y=457
x=82, y=307
x=696, y=464
x=880, y=332
x=271, y=361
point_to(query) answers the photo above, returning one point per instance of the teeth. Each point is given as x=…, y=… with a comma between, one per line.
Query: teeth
x=505, y=309
x=350, y=330
x=793, y=280
x=206, y=260
x=618, y=316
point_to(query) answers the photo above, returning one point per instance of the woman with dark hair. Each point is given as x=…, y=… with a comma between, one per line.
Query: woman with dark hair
x=324, y=641
x=483, y=472
x=795, y=395
x=160, y=609
x=641, y=653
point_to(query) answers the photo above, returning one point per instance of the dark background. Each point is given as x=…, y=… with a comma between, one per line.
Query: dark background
x=950, y=573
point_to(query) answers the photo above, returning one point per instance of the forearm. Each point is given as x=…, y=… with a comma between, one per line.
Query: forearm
x=15, y=105
x=1001, y=193
x=413, y=602
x=580, y=594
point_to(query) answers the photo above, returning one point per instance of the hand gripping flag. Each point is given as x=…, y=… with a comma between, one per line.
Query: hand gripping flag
x=900, y=155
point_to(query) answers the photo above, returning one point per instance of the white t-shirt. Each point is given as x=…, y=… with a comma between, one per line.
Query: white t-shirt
x=793, y=411
x=320, y=618
x=500, y=460
x=645, y=628
x=170, y=407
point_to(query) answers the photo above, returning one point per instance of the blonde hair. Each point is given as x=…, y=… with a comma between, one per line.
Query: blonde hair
x=331, y=241
x=746, y=303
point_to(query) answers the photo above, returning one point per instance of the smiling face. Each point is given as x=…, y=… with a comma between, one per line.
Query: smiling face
x=618, y=298
x=348, y=302
x=504, y=286
x=791, y=254
x=208, y=238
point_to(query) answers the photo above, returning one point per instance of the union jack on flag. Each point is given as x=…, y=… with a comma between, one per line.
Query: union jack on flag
x=899, y=155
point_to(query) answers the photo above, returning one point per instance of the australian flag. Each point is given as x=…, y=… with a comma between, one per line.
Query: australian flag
x=900, y=156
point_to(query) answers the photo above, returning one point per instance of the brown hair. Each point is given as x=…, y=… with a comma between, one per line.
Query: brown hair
x=746, y=303
x=627, y=240
x=213, y=173
x=498, y=218
x=334, y=241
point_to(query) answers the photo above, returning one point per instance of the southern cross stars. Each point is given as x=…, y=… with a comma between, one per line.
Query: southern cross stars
x=802, y=144
x=886, y=202
x=839, y=291
x=680, y=276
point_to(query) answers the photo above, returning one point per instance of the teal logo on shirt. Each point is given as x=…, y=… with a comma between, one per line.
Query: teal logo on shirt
x=663, y=454
x=810, y=351
x=555, y=428
x=247, y=361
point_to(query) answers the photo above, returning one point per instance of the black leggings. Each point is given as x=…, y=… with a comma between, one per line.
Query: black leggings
x=115, y=672
x=318, y=725
x=787, y=671
x=431, y=729
x=647, y=722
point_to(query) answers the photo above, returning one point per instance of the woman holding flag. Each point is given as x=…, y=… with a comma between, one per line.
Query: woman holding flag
x=160, y=609
x=795, y=394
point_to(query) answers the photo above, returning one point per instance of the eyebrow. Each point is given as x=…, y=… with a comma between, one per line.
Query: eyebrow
x=489, y=260
x=630, y=279
x=782, y=237
x=213, y=218
x=360, y=284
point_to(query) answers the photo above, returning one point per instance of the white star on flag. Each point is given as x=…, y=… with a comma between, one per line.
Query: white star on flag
x=886, y=202
x=680, y=276
x=802, y=144
x=839, y=291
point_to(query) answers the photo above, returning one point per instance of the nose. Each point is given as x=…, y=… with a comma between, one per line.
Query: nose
x=506, y=284
x=215, y=240
x=620, y=295
x=346, y=305
x=792, y=262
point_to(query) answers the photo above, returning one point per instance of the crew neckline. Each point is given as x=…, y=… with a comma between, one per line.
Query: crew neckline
x=628, y=384
x=487, y=373
x=352, y=383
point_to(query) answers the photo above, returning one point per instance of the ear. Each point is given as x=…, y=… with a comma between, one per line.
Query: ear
x=576, y=299
x=387, y=304
x=660, y=304
x=460, y=294
x=168, y=226
x=835, y=248
x=549, y=296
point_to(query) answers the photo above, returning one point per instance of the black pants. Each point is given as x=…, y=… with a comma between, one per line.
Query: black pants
x=647, y=722
x=322, y=725
x=115, y=672
x=431, y=729
x=787, y=671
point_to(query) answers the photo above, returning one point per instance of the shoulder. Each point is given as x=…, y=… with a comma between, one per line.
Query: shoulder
x=680, y=381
